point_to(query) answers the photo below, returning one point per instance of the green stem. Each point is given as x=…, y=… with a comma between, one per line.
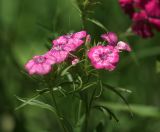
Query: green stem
x=87, y=117
x=58, y=112
x=48, y=81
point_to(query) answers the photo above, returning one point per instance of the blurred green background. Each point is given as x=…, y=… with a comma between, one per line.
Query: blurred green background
x=27, y=26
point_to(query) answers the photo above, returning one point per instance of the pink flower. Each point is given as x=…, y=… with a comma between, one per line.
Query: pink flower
x=39, y=65
x=140, y=3
x=110, y=37
x=141, y=26
x=65, y=44
x=112, y=40
x=59, y=52
x=104, y=57
x=145, y=15
x=153, y=11
x=75, y=61
x=73, y=40
x=127, y=6
x=123, y=46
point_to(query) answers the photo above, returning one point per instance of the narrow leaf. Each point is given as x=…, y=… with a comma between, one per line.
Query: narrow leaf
x=119, y=94
x=98, y=24
x=26, y=101
x=40, y=104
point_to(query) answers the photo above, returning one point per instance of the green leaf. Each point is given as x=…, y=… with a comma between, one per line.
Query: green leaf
x=119, y=94
x=26, y=101
x=88, y=86
x=98, y=24
x=105, y=110
x=38, y=103
x=141, y=110
x=67, y=125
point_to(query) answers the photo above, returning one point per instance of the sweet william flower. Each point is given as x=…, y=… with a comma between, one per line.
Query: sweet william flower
x=75, y=61
x=73, y=40
x=110, y=37
x=112, y=40
x=152, y=9
x=145, y=15
x=141, y=25
x=140, y=3
x=59, y=52
x=104, y=57
x=123, y=46
x=65, y=44
x=39, y=65
x=127, y=6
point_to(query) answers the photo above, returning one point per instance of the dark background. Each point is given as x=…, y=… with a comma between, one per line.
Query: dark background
x=26, y=26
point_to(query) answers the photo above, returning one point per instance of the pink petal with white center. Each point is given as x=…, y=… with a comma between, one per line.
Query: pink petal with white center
x=79, y=35
x=123, y=46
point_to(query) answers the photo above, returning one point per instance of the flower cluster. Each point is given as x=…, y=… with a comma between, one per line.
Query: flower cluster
x=145, y=15
x=59, y=52
x=102, y=57
x=107, y=57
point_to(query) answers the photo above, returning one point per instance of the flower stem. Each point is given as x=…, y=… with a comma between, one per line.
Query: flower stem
x=58, y=112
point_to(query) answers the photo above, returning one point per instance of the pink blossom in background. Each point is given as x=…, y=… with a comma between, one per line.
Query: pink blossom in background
x=141, y=26
x=140, y=3
x=104, y=57
x=127, y=6
x=145, y=15
x=75, y=61
x=39, y=65
x=112, y=40
x=152, y=9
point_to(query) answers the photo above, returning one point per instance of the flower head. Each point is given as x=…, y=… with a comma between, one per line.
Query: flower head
x=104, y=57
x=75, y=61
x=141, y=26
x=127, y=6
x=65, y=44
x=73, y=40
x=59, y=52
x=145, y=15
x=110, y=37
x=112, y=40
x=40, y=65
